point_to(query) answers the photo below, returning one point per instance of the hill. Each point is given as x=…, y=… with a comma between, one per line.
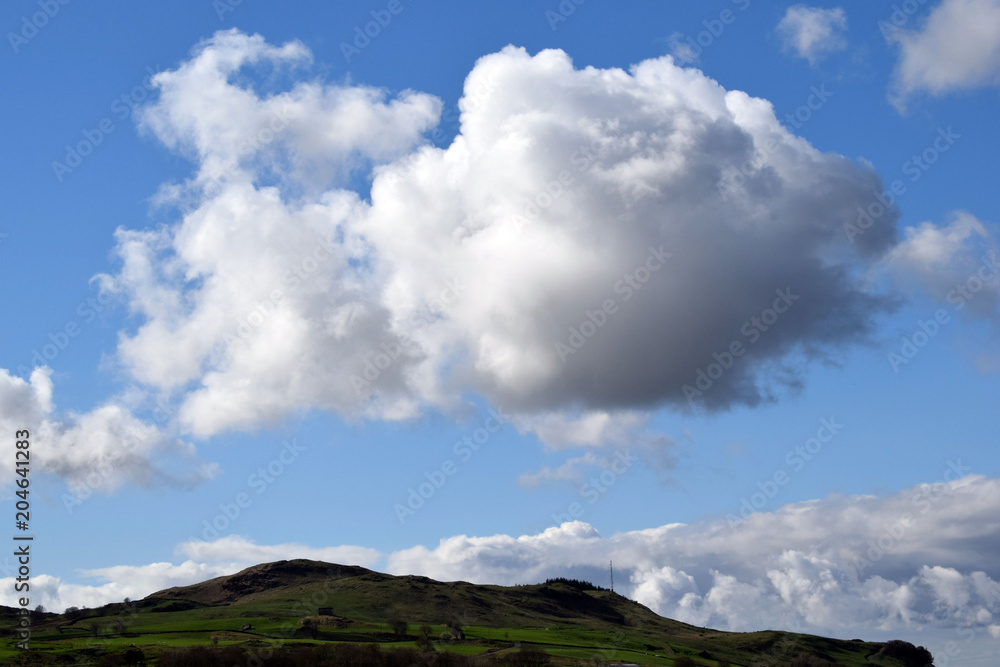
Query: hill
x=300, y=605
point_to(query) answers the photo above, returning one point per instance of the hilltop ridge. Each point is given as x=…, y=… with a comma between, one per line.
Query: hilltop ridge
x=303, y=605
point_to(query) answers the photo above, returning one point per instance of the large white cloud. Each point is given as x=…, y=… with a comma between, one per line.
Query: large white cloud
x=262, y=293
x=652, y=160
x=957, y=47
x=590, y=243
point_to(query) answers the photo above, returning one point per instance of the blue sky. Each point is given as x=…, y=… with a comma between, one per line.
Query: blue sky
x=172, y=167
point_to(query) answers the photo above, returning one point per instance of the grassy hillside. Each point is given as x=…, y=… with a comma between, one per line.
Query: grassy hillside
x=301, y=604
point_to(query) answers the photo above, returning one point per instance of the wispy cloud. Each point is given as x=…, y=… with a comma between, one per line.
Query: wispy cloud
x=813, y=32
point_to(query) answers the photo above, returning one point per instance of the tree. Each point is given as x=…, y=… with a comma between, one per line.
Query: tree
x=425, y=643
x=456, y=629
x=119, y=626
x=399, y=627
x=907, y=653
x=309, y=628
x=134, y=657
x=73, y=613
x=94, y=627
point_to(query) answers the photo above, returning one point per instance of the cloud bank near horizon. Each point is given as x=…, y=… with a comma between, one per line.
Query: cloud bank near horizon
x=837, y=565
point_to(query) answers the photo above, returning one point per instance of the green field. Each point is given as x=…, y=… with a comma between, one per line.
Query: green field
x=574, y=623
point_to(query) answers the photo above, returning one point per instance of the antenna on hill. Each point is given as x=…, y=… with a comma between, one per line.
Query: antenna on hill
x=611, y=567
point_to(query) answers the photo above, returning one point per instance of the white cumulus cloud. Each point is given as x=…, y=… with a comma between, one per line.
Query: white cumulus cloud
x=96, y=451
x=957, y=47
x=836, y=565
x=587, y=244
